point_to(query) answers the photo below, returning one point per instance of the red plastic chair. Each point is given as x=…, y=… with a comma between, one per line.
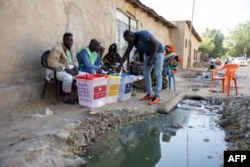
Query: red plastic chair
x=230, y=70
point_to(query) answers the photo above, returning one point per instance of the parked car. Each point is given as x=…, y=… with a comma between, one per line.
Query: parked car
x=241, y=61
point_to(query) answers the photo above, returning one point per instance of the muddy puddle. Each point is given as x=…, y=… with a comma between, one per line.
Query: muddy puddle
x=186, y=137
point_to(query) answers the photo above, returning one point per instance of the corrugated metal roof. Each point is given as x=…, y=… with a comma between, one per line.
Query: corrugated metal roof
x=158, y=18
x=151, y=13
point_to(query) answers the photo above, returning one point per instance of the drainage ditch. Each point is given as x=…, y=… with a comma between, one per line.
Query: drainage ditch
x=187, y=136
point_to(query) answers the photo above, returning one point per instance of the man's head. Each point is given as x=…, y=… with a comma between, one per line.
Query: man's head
x=68, y=40
x=101, y=51
x=95, y=45
x=129, y=36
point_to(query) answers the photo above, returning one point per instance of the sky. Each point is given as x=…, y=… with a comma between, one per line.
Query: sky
x=223, y=15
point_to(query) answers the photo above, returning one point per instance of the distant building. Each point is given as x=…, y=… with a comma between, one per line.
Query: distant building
x=187, y=42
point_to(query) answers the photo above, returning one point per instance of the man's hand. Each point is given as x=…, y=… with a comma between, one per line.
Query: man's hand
x=118, y=69
x=105, y=68
x=150, y=61
x=76, y=69
x=67, y=70
x=71, y=71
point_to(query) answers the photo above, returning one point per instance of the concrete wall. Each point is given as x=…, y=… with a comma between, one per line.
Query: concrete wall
x=29, y=27
x=145, y=21
x=178, y=39
x=181, y=37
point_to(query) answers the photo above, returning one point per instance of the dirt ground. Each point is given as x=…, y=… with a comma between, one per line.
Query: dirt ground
x=40, y=133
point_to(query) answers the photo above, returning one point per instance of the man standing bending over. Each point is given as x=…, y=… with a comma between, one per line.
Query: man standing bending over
x=153, y=52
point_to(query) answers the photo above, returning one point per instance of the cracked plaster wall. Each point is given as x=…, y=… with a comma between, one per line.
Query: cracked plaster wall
x=31, y=27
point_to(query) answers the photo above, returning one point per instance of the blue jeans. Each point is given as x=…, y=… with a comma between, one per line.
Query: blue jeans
x=157, y=64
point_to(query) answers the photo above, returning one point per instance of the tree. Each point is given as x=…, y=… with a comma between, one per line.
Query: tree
x=207, y=45
x=247, y=50
x=212, y=43
x=238, y=41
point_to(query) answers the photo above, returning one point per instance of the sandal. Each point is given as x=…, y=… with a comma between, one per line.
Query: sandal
x=69, y=101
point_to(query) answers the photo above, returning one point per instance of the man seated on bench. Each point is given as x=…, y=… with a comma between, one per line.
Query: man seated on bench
x=89, y=58
x=62, y=58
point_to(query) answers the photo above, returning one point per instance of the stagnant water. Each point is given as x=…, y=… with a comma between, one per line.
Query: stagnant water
x=183, y=138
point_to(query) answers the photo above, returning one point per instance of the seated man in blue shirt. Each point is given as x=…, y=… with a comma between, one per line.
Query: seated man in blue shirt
x=89, y=59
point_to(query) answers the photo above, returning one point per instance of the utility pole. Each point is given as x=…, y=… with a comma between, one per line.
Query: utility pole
x=190, y=37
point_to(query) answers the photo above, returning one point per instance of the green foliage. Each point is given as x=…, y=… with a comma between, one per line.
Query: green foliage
x=207, y=45
x=238, y=41
x=247, y=49
x=212, y=43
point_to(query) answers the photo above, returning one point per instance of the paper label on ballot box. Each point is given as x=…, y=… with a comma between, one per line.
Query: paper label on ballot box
x=113, y=90
x=99, y=91
x=128, y=88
